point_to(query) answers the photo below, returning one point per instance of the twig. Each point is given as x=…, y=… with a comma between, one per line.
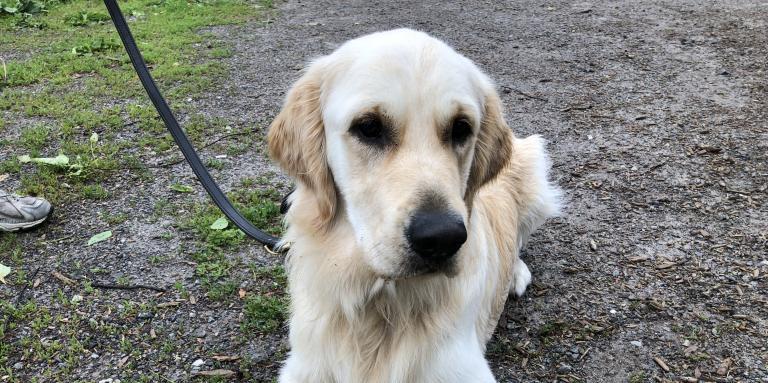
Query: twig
x=520, y=92
x=19, y=298
x=126, y=287
x=64, y=279
x=71, y=281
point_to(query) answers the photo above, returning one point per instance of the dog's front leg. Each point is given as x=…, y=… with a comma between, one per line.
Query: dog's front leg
x=521, y=278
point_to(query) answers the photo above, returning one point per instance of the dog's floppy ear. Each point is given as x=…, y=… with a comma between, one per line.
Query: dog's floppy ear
x=493, y=148
x=297, y=142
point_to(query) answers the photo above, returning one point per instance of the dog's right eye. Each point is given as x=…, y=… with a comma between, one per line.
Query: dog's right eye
x=370, y=131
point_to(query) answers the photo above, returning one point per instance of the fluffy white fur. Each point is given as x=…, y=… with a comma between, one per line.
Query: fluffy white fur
x=357, y=313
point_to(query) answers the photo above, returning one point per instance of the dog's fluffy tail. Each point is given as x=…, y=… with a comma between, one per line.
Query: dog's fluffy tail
x=543, y=198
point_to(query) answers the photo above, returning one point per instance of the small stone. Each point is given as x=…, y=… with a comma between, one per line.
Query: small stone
x=198, y=363
x=564, y=369
x=18, y=366
x=94, y=356
x=108, y=380
x=145, y=315
x=637, y=343
x=76, y=299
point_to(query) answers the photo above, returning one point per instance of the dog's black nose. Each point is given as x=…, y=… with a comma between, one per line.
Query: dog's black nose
x=436, y=236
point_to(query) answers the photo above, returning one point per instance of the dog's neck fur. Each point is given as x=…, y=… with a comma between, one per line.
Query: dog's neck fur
x=384, y=324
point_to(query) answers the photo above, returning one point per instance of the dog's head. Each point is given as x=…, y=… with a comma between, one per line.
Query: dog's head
x=394, y=132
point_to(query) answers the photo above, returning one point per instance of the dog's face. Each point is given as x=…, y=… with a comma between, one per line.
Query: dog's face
x=394, y=132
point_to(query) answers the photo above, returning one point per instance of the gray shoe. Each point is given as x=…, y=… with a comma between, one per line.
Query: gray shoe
x=20, y=213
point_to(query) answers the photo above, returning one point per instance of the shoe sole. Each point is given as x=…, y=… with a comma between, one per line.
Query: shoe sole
x=11, y=227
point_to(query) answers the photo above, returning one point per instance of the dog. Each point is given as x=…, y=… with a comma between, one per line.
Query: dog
x=413, y=199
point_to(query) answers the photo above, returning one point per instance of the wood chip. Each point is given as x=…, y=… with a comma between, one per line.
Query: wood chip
x=63, y=279
x=192, y=299
x=593, y=245
x=122, y=362
x=167, y=304
x=36, y=283
x=220, y=373
x=3, y=177
x=725, y=365
x=225, y=358
x=639, y=258
x=152, y=333
x=241, y=293
x=661, y=363
x=665, y=265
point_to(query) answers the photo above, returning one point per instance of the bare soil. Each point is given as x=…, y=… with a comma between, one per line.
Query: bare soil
x=656, y=116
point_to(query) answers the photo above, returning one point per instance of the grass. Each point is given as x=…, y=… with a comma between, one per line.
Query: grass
x=70, y=89
x=84, y=84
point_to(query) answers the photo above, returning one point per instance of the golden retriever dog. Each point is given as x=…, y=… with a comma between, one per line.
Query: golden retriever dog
x=413, y=198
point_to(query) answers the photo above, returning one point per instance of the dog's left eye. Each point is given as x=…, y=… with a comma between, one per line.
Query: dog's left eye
x=460, y=131
x=370, y=130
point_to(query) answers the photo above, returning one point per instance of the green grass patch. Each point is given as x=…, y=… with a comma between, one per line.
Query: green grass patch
x=263, y=313
x=84, y=84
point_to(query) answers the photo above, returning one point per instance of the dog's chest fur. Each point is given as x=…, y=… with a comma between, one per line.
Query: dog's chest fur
x=347, y=325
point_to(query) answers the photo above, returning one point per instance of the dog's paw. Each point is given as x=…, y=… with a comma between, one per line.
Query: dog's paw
x=521, y=278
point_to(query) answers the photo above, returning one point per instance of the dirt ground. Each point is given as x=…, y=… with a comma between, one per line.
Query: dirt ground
x=656, y=114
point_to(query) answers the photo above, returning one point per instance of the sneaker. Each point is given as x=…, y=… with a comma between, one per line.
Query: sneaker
x=20, y=213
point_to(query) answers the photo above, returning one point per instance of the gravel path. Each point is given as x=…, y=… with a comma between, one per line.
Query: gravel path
x=657, y=120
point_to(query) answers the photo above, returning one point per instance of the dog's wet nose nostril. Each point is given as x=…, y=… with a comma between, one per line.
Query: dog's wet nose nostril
x=436, y=236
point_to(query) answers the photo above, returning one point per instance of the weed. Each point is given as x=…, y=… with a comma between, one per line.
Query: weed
x=84, y=18
x=94, y=192
x=263, y=313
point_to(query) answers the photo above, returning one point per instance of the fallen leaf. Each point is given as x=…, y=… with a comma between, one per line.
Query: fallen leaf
x=4, y=271
x=94, y=138
x=181, y=188
x=241, y=293
x=225, y=358
x=60, y=160
x=220, y=224
x=661, y=363
x=103, y=236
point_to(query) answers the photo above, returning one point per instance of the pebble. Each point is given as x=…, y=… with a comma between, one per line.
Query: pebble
x=564, y=369
x=76, y=298
x=197, y=364
x=18, y=366
x=145, y=315
x=637, y=343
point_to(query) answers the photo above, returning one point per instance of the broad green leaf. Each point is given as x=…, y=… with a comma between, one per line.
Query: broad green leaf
x=4, y=271
x=103, y=236
x=94, y=138
x=220, y=224
x=181, y=188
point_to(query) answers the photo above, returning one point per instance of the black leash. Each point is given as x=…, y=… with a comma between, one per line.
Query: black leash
x=178, y=134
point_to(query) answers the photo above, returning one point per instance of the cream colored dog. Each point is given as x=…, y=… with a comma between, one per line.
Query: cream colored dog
x=413, y=199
